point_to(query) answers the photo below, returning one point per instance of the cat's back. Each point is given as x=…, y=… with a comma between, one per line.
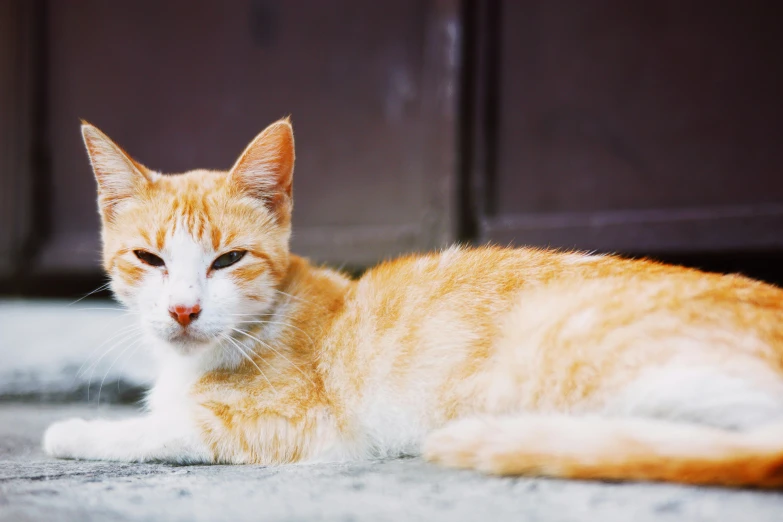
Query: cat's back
x=468, y=268
x=504, y=269
x=469, y=283
x=460, y=291
x=496, y=271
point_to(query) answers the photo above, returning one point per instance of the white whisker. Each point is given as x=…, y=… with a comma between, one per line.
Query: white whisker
x=312, y=342
x=277, y=352
x=246, y=356
x=252, y=315
x=128, y=337
x=124, y=363
x=124, y=312
x=128, y=329
x=297, y=298
x=100, y=388
x=102, y=287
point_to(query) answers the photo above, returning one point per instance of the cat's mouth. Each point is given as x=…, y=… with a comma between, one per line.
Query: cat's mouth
x=187, y=338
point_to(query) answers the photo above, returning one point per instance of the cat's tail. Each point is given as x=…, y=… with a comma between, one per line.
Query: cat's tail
x=605, y=448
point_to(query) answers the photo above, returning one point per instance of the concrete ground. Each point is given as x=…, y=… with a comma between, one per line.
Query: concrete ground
x=35, y=487
x=45, y=344
x=55, y=350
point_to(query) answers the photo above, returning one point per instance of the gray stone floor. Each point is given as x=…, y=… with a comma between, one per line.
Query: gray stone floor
x=54, y=350
x=34, y=487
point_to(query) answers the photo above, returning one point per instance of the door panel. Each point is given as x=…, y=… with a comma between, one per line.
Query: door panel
x=638, y=125
x=371, y=88
x=17, y=27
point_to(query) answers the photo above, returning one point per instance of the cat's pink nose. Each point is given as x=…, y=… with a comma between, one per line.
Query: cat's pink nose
x=184, y=315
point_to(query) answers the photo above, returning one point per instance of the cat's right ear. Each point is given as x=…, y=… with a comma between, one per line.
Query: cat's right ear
x=119, y=176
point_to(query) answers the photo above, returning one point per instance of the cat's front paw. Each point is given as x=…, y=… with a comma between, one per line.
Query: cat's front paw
x=66, y=439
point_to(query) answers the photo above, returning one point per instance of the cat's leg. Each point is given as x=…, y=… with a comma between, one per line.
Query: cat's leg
x=142, y=439
x=605, y=448
x=690, y=425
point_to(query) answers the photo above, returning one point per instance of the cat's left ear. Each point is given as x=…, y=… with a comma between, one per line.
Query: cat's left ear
x=265, y=170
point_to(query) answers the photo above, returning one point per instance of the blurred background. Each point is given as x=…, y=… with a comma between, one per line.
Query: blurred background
x=646, y=128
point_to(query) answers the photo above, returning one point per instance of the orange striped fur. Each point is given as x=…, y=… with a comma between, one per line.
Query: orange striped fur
x=509, y=361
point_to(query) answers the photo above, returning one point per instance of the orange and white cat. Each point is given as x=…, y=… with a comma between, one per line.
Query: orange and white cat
x=509, y=361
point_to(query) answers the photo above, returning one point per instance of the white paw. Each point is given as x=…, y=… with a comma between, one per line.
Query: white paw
x=67, y=439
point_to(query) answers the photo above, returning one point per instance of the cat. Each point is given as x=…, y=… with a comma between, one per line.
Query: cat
x=510, y=361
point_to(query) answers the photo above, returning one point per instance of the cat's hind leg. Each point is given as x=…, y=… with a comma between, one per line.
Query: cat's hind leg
x=687, y=425
x=606, y=448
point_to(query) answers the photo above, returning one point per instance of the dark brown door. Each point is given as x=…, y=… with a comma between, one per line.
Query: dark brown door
x=633, y=126
x=17, y=91
x=185, y=84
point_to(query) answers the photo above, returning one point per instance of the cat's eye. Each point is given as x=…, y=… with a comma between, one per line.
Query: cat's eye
x=228, y=259
x=150, y=259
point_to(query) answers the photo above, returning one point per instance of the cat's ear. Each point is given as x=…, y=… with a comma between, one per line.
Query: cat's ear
x=265, y=170
x=119, y=176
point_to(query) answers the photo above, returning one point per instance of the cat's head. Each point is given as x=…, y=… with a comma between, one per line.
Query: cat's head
x=195, y=254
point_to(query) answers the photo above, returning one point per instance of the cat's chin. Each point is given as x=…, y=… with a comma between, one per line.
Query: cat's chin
x=186, y=342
